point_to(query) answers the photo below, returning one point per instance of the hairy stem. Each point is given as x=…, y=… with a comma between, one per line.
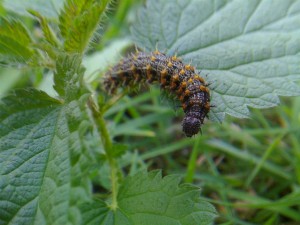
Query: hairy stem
x=108, y=147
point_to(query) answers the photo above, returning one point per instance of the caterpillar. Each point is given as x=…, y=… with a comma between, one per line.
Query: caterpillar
x=173, y=75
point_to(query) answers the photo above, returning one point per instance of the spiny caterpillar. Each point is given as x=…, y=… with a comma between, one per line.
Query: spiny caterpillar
x=173, y=75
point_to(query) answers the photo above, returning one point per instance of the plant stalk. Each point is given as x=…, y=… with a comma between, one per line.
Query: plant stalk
x=108, y=147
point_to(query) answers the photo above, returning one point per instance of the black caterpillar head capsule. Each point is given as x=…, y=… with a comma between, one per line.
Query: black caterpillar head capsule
x=191, y=125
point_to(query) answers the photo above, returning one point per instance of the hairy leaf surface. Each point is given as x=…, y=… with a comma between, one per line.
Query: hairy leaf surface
x=249, y=50
x=149, y=199
x=43, y=159
x=78, y=20
x=14, y=41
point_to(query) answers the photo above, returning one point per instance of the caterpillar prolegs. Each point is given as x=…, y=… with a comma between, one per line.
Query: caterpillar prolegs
x=173, y=75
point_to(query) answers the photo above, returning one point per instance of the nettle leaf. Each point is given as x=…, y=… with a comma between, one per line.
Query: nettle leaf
x=149, y=199
x=68, y=76
x=48, y=9
x=96, y=212
x=78, y=21
x=250, y=50
x=14, y=41
x=44, y=159
x=49, y=35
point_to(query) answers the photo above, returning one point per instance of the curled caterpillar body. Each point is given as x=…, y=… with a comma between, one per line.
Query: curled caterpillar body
x=173, y=75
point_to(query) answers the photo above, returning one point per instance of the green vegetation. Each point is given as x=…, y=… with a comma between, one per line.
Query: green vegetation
x=70, y=154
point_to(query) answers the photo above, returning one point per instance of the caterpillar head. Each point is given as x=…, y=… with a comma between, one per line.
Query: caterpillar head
x=191, y=125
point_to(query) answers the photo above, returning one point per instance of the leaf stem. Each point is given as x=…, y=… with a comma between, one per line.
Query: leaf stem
x=108, y=147
x=114, y=183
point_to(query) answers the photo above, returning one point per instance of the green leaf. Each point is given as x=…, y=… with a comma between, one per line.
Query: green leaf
x=78, y=21
x=44, y=159
x=149, y=199
x=68, y=76
x=250, y=49
x=47, y=31
x=48, y=8
x=96, y=212
x=49, y=45
x=14, y=41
